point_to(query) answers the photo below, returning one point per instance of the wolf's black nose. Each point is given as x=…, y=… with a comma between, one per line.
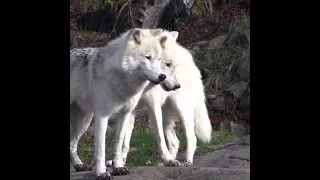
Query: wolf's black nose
x=162, y=77
x=177, y=86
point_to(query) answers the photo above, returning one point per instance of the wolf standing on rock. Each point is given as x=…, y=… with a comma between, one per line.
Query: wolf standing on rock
x=165, y=105
x=108, y=81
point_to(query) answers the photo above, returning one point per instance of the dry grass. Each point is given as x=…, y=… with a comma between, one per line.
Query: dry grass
x=79, y=39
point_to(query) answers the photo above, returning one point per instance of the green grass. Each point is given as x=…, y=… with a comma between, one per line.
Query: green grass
x=85, y=148
x=143, y=139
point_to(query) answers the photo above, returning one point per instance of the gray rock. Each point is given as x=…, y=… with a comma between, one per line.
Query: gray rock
x=238, y=38
x=237, y=129
x=229, y=163
x=229, y=103
x=151, y=14
x=212, y=96
x=238, y=88
x=247, y=33
x=216, y=43
x=172, y=173
x=243, y=69
x=197, y=46
x=160, y=164
x=242, y=39
x=224, y=158
x=141, y=14
x=225, y=128
x=219, y=103
x=245, y=105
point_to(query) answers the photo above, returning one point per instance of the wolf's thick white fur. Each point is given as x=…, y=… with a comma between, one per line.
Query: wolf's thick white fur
x=186, y=103
x=107, y=81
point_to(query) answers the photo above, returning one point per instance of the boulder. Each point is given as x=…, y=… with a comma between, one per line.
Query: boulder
x=237, y=129
x=243, y=69
x=216, y=43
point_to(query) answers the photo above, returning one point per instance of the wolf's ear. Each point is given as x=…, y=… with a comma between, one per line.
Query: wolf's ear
x=156, y=32
x=163, y=41
x=174, y=35
x=137, y=35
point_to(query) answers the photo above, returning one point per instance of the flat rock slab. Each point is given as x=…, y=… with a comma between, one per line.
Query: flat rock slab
x=173, y=173
x=236, y=156
x=229, y=163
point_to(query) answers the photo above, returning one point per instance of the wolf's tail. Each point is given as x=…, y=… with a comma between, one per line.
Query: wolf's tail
x=202, y=126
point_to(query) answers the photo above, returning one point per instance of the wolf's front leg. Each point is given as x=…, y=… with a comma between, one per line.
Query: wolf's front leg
x=127, y=138
x=121, y=128
x=126, y=141
x=155, y=115
x=101, y=124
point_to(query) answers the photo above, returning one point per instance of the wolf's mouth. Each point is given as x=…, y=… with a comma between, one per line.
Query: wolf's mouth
x=152, y=81
x=164, y=87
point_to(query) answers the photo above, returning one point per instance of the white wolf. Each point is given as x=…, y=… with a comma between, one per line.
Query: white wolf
x=110, y=80
x=186, y=103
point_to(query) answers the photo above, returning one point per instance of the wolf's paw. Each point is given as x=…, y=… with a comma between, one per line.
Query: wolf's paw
x=104, y=176
x=120, y=171
x=109, y=163
x=187, y=164
x=173, y=163
x=82, y=167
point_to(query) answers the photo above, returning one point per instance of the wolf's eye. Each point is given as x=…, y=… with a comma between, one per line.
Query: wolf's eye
x=148, y=57
x=168, y=64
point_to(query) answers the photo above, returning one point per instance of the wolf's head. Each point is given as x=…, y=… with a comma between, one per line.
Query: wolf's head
x=143, y=54
x=168, y=61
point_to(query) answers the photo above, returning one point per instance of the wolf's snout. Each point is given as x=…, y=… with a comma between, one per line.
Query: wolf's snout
x=162, y=77
x=177, y=86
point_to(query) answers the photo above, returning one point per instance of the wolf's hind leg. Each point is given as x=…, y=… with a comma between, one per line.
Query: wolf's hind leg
x=80, y=122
